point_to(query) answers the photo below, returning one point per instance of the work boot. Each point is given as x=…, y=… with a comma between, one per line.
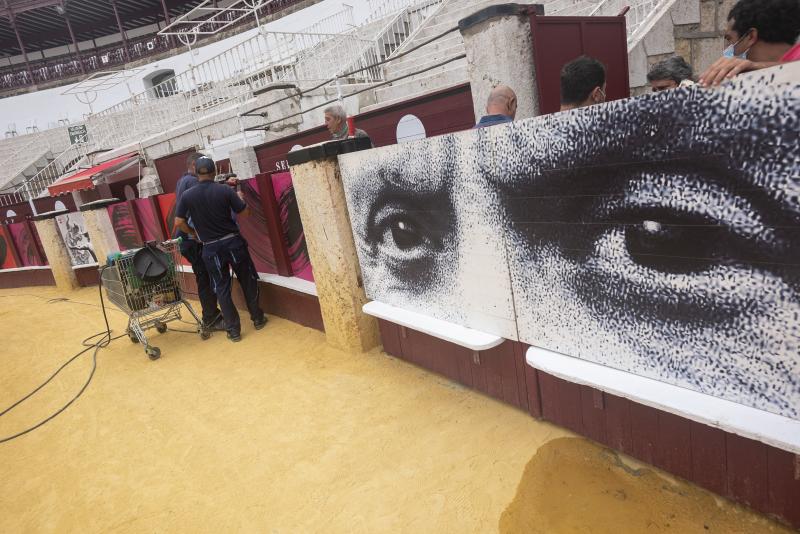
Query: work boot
x=234, y=337
x=215, y=325
x=261, y=323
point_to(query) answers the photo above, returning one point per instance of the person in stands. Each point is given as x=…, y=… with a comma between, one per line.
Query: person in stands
x=501, y=107
x=760, y=34
x=192, y=250
x=209, y=206
x=671, y=73
x=336, y=123
x=583, y=83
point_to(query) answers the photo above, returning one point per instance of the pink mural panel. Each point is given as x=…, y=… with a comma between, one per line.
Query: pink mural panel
x=25, y=242
x=291, y=225
x=148, y=220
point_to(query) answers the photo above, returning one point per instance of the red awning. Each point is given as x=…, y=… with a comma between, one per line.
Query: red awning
x=82, y=180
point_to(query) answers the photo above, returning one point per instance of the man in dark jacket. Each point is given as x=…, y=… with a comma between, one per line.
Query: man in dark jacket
x=209, y=207
x=192, y=250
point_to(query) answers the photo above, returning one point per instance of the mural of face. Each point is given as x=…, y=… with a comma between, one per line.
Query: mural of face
x=658, y=235
x=661, y=235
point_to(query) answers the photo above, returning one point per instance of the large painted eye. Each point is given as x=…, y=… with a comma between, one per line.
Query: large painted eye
x=411, y=237
x=407, y=235
x=677, y=243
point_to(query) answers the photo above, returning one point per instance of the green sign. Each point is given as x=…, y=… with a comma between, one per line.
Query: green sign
x=77, y=134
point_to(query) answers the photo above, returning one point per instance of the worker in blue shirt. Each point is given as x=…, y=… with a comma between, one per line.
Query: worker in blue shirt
x=192, y=250
x=210, y=205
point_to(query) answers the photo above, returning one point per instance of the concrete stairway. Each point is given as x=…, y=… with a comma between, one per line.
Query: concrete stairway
x=450, y=46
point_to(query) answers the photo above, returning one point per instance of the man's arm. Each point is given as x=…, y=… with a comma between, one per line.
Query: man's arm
x=238, y=204
x=181, y=214
x=182, y=224
x=726, y=68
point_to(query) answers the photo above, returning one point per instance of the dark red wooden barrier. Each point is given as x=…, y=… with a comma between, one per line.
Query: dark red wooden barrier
x=559, y=40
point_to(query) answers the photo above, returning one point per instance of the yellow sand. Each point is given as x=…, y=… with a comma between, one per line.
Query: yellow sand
x=281, y=433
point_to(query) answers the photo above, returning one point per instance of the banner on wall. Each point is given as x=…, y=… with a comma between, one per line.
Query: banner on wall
x=291, y=225
x=254, y=229
x=76, y=239
x=145, y=213
x=7, y=260
x=659, y=235
x=125, y=226
x=25, y=242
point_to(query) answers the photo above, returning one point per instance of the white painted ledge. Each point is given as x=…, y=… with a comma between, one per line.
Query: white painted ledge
x=289, y=282
x=752, y=423
x=466, y=337
x=30, y=268
x=84, y=266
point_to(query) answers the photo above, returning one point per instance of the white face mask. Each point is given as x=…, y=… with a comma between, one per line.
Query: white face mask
x=730, y=50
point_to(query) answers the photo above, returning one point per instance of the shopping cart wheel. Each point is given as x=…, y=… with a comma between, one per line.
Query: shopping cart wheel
x=132, y=337
x=153, y=353
x=205, y=334
x=161, y=327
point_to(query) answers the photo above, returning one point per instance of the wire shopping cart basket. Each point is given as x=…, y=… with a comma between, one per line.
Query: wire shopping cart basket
x=144, y=283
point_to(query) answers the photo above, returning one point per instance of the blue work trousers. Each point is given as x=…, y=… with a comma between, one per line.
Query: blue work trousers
x=220, y=258
x=193, y=251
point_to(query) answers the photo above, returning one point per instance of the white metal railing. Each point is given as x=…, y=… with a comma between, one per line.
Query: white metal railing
x=208, y=18
x=33, y=187
x=324, y=50
x=231, y=76
x=640, y=12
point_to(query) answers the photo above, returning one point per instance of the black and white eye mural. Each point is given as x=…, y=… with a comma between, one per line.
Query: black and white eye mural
x=659, y=235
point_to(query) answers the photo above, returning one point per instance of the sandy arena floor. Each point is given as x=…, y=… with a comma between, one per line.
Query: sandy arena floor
x=280, y=433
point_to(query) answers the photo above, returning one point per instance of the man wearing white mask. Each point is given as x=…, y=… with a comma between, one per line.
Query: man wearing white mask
x=759, y=34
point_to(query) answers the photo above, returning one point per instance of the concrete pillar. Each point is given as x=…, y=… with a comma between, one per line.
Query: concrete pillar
x=244, y=163
x=499, y=48
x=56, y=250
x=331, y=247
x=101, y=231
x=150, y=184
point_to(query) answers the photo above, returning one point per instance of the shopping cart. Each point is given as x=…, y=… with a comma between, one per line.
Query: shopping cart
x=144, y=284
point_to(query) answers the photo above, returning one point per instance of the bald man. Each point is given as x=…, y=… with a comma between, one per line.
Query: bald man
x=501, y=107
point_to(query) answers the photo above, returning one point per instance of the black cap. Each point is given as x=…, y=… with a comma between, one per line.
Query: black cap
x=204, y=165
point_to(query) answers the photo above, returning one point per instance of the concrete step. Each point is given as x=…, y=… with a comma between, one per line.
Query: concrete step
x=415, y=62
x=454, y=75
x=452, y=12
x=425, y=54
x=436, y=70
x=403, y=98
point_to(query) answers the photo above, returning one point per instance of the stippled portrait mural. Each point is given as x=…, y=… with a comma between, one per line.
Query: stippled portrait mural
x=659, y=235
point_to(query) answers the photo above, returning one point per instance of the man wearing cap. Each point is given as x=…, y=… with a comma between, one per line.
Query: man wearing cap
x=192, y=250
x=210, y=206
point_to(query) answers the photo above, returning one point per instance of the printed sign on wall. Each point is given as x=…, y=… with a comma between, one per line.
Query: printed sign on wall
x=659, y=235
x=76, y=238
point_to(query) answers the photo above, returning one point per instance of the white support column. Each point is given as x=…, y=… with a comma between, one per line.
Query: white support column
x=499, y=48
